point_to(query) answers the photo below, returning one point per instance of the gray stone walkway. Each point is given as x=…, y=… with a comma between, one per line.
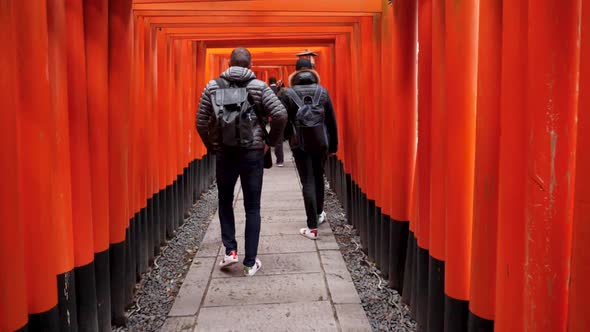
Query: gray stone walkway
x=303, y=284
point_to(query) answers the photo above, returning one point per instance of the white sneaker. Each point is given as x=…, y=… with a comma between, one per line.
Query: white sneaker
x=309, y=233
x=230, y=259
x=321, y=218
x=280, y=165
x=250, y=271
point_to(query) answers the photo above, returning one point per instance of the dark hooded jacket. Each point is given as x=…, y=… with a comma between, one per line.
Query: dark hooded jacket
x=266, y=101
x=304, y=83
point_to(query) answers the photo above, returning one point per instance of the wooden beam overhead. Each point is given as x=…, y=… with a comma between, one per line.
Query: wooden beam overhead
x=352, y=6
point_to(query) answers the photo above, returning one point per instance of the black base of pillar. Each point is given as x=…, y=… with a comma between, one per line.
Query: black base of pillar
x=398, y=242
x=456, y=314
x=436, y=294
x=103, y=290
x=67, y=301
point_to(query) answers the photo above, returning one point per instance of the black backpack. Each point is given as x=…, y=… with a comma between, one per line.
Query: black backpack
x=236, y=114
x=309, y=129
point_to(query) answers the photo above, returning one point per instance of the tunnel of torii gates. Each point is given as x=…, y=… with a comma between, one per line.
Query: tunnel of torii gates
x=463, y=128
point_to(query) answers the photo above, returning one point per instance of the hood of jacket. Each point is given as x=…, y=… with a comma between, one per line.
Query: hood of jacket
x=304, y=77
x=238, y=74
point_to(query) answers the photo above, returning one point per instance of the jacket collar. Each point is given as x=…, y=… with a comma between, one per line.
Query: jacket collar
x=304, y=77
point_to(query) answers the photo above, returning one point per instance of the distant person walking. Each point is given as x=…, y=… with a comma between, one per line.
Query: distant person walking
x=313, y=135
x=230, y=123
x=272, y=81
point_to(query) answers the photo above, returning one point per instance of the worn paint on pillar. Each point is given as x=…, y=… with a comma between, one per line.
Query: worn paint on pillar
x=552, y=97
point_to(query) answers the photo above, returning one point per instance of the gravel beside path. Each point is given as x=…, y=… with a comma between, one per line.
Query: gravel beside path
x=383, y=305
x=159, y=286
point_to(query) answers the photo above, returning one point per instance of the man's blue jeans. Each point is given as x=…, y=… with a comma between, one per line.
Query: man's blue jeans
x=248, y=165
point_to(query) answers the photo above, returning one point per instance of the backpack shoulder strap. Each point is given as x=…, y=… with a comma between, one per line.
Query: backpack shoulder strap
x=221, y=82
x=295, y=97
x=317, y=95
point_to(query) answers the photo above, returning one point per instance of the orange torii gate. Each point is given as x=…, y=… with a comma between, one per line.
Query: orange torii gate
x=462, y=129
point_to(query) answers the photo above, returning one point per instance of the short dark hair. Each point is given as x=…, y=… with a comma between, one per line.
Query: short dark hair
x=240, y=57
x=272, y=80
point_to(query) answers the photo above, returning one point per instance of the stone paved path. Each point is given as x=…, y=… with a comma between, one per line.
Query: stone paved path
x=303, y=284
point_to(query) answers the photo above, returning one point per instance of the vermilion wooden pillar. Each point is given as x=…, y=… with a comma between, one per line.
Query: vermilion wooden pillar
x=61, y=164
x=438, y=171
x=148, y=135
x=485, y=217
x=385, y=159
x=13, y=302
x=163, y=118
x=512, y=170
x=552, y=97
x=34, y=142
x=120, y=48
x=423, y=166
x=405, y=38
x=461, y=58
x=402, y=125
x=139, y=144
x=485, y=205
x=579, y=311
x=80, y=167
x=96, y=34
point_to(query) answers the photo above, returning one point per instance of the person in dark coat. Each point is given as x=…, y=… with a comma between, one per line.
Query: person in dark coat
x=310, y=166
x=272, y=83
x=244, y=162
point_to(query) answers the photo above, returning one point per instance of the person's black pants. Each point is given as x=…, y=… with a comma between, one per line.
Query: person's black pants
x=311, y=172
x=279, y=152
x=248, y=166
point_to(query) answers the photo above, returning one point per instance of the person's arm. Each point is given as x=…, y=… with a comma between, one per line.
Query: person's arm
x=274, y=108
x=205, y=117
x=331, y=125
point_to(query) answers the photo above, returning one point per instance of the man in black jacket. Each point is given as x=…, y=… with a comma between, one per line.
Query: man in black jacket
x=310, y=166
x=245, y=162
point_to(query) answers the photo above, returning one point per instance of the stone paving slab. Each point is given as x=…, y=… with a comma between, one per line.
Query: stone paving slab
x=209, y=249
x=278, y=228
x=179, y=324
x=269, y=196
x=339, y=281
x=266, y=290
x=303, y=285
x=352, y=317
x=278, y=244
x=315, y=316
x=307, y=262
x=193, y=288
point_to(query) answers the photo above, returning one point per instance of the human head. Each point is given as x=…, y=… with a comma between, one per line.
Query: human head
x=303, y=63
x=272, y=80
x=240, y=57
